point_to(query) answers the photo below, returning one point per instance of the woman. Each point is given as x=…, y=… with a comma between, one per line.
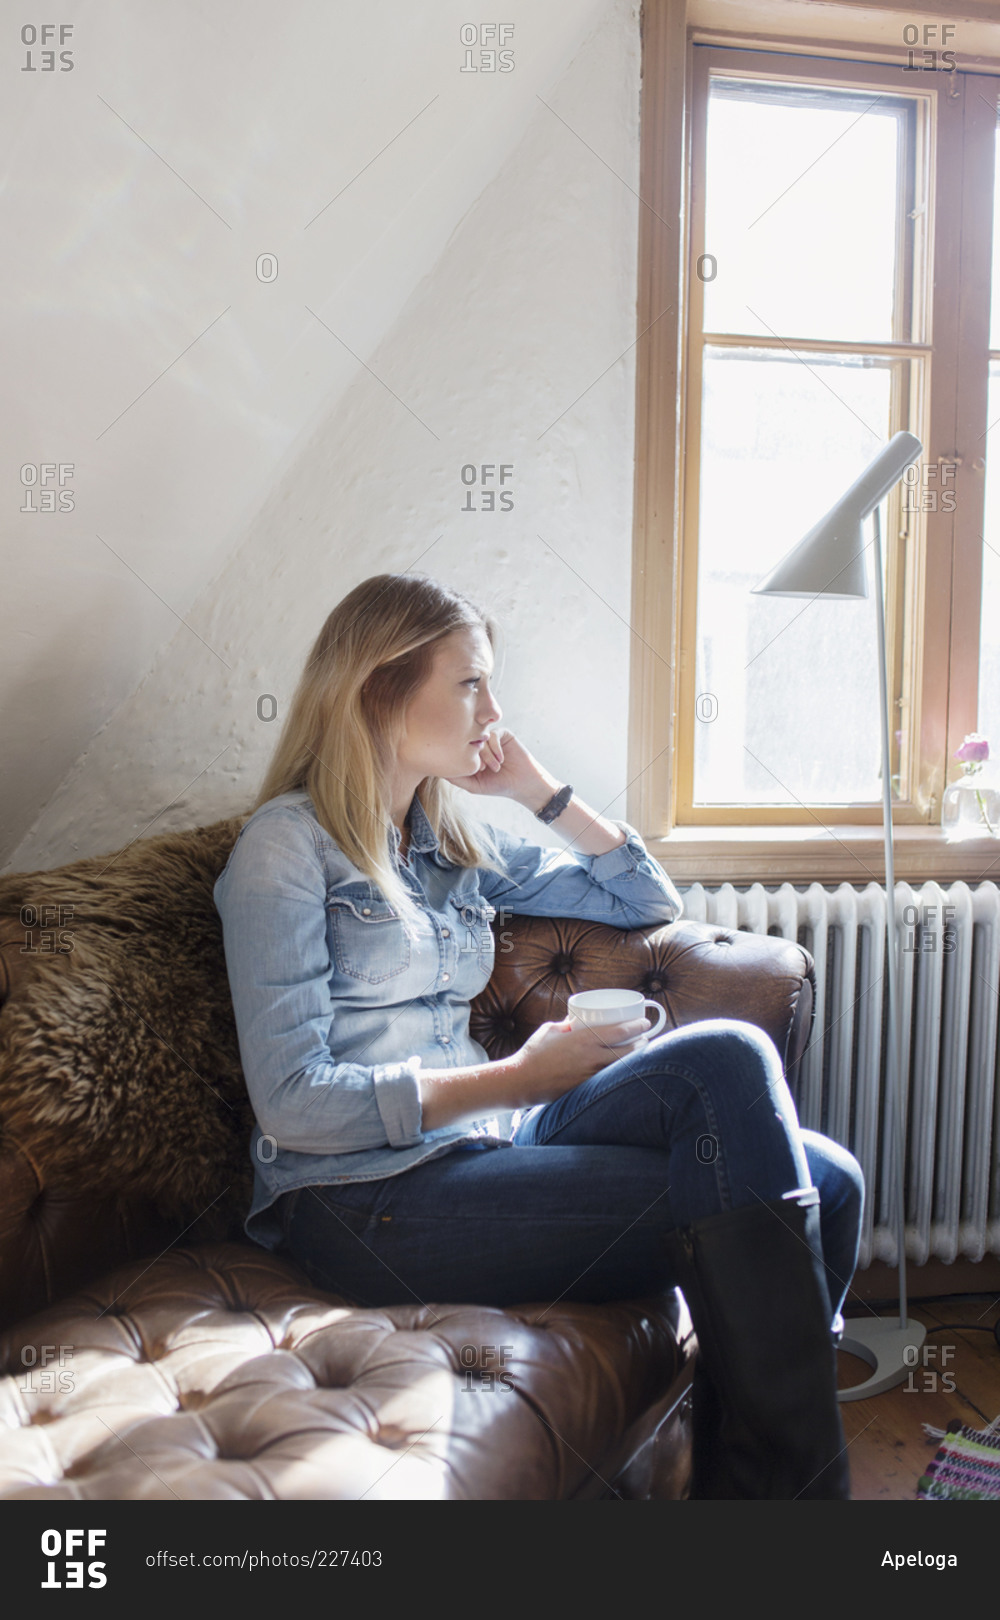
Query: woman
x=396, y=1163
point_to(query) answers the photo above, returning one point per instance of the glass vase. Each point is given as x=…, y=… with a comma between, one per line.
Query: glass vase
x=971, y=807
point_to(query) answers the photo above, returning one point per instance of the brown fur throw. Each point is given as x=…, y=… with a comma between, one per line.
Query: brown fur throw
x=119, y=1062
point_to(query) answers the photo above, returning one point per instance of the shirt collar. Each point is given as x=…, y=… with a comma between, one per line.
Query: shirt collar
x=422, y=835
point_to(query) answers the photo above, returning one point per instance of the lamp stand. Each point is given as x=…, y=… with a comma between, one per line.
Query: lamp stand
x=889, y=1345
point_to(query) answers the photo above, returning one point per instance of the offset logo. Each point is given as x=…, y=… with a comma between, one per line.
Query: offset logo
x=41, y=491
x=486, y=483
x=48, y=36
x=495, y=54
x=63, y=1550
x=929, y=36
x=486, y=1363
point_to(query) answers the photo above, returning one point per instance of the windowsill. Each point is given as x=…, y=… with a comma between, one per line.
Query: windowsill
x=846, y=854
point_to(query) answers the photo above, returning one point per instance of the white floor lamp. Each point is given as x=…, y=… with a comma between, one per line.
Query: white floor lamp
x=830, y=562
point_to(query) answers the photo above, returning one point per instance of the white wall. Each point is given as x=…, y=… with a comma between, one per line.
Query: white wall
x=483, y=267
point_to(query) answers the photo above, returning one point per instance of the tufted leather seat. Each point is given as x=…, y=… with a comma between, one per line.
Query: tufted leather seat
x=216, y=1373
x=151, y=1351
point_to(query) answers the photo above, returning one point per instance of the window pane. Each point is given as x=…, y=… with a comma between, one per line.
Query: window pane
x=988, y=717
x=989, y=641
x=801, y=211
x=995, y=307
x=795, y=682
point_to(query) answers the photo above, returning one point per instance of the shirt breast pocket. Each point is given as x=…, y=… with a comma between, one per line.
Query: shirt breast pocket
x=473, y=916
x=369, y=940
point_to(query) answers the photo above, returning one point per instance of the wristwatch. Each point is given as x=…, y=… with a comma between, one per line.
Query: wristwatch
x=556, y=805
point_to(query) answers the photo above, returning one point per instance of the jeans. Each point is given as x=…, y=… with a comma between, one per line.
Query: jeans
x=697, y=1122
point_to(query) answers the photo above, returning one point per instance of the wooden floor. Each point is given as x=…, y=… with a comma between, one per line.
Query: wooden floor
x=959, y=1377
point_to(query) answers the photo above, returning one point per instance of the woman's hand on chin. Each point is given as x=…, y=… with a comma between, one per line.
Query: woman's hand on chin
x=506, y=768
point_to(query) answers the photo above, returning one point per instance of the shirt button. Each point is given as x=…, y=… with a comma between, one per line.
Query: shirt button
x=445, y=1040
x=366, y=911
x=446, y=932
x=446, y=977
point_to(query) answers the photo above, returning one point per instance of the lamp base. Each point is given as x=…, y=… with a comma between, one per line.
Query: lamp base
x=893, y=1352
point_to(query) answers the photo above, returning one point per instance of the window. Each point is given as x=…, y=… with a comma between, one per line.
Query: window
x=989, y=625
x=834, y=286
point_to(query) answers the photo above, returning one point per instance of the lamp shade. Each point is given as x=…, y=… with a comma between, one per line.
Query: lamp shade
x=830, y=560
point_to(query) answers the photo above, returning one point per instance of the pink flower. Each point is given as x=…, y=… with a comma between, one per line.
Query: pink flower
x=974, y=750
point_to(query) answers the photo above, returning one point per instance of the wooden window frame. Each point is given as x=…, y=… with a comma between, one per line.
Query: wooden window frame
x=944, y=578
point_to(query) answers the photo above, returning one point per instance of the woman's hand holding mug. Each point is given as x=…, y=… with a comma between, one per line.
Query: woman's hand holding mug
x=601, y=1027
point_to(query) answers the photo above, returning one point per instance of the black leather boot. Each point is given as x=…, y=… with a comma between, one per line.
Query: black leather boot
x=766, y=1424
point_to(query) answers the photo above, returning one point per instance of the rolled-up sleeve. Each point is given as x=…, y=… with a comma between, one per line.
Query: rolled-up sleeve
x=625, y=886
x=397, y=1093
x=271, y=897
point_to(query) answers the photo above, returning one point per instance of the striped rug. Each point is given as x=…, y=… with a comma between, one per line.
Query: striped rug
x=966, y=1467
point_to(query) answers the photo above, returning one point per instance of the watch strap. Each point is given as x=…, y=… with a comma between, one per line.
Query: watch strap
x=556, y=805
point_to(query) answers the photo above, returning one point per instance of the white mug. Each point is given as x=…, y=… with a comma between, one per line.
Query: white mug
x=595, y=1007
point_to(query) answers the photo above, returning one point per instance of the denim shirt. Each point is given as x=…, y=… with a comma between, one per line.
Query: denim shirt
x=337, y=1009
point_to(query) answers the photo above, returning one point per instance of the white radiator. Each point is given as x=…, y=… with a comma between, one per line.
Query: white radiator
x=948, y=990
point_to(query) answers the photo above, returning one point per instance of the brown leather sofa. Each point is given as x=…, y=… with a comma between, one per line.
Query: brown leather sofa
x=149, y=1350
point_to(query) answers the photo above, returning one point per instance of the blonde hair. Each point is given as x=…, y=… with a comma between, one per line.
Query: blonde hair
x=340, y=736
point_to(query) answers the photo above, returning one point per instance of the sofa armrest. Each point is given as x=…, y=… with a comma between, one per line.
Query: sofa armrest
x=694, y=970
